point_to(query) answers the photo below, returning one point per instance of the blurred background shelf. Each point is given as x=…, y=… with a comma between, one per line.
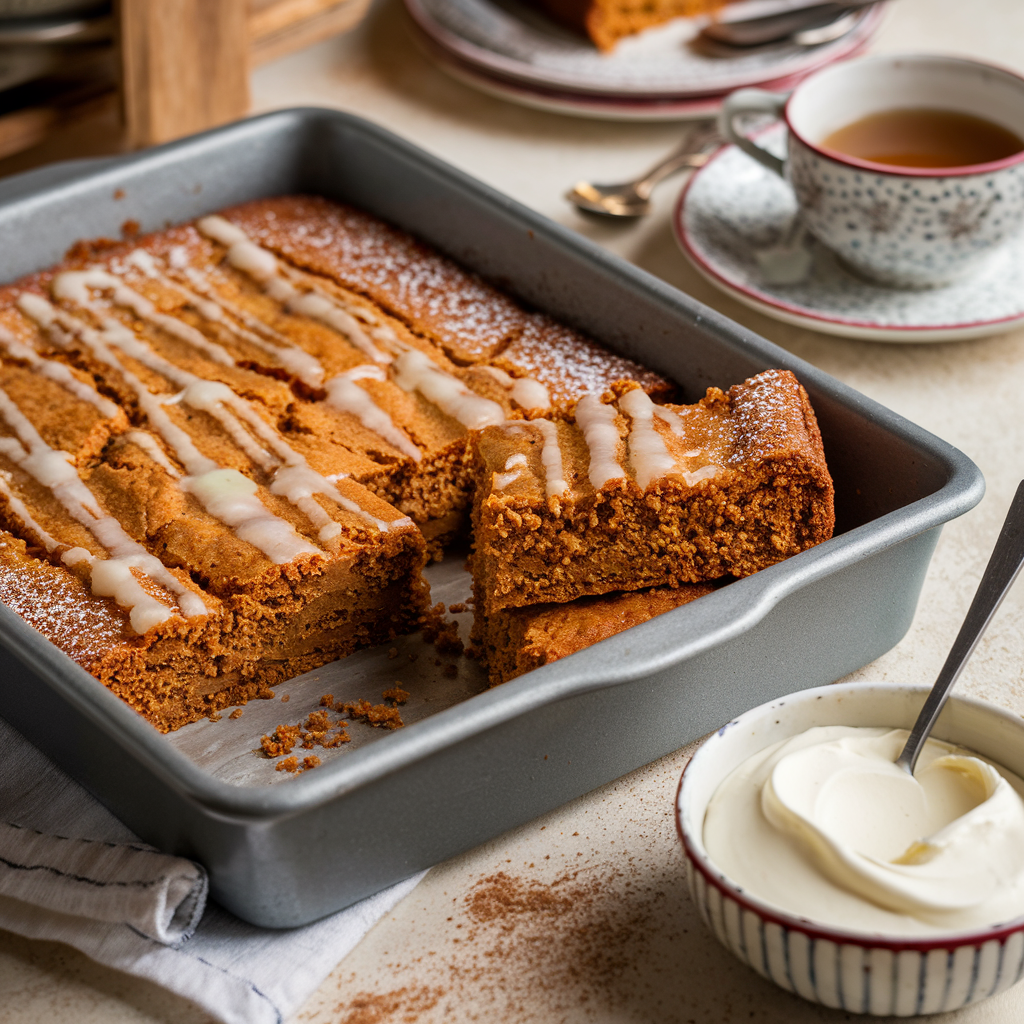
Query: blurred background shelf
x=142, y=71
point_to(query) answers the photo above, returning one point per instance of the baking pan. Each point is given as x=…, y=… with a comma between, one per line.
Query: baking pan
x=465, y=770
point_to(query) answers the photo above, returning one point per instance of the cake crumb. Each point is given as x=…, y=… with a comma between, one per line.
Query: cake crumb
x=444, y=635
x=287, y=697
x=310, y=762
x=281, y=741
x=289, y=764
x=396, y=693
x=393, y=652
x=377, y=715
x=458, y=609
x=451, y=670
x=327, y=700
x=237, y=713
x=215, y=716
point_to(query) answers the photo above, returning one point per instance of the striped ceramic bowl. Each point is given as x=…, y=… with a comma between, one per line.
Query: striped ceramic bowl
x=853, y=971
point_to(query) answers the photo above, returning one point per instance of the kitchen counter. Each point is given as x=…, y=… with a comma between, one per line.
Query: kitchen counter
x=582, y=915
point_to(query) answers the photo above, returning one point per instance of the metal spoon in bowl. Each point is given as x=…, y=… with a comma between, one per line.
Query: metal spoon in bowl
x=1002, y=569
x=633, y=198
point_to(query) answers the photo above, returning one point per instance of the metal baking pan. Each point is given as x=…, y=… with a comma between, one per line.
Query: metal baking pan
x=464, y=770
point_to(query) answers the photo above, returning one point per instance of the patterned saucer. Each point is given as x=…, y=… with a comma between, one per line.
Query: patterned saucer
x=735, y=221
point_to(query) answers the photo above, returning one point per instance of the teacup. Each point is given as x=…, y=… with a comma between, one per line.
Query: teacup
x=907, y=227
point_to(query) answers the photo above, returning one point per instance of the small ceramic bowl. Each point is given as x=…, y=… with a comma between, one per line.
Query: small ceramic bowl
x=853, y=971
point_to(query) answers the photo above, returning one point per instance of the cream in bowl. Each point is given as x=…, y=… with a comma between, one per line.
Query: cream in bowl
x=829, y=870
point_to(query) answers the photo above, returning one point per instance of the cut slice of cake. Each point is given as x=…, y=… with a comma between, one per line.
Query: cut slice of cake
x=633, y=495
x=518, y=640
x=608, y=21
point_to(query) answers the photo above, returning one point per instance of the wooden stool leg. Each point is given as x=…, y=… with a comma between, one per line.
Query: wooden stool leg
x=185, y=66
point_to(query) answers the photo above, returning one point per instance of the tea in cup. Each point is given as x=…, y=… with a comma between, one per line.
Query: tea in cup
x=909, y=168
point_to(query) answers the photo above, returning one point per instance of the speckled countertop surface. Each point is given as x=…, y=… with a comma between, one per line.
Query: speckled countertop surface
x=582, y=916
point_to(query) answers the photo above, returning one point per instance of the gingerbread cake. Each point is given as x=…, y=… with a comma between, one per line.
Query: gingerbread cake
x=605, y=22
x=518, y=640
x=630, y=494
x=226, y=448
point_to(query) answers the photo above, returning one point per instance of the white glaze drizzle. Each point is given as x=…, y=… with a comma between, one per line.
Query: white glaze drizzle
x=673, y=419
x=513, y=472
x=551, y=458
x=597, y=421
x=708, y=472
x=148, y=443
x=345, y=395
x=648, y=455
x=20, y=509
x=57, y=372
x=110, y=577
x=263, y=267
x=526, y=392
x=212, y=308
x=416, y=371
x=75, y=285
x=226, y=494
x=280, y=543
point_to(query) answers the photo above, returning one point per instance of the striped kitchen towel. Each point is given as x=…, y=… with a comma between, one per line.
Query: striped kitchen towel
x=71, y=872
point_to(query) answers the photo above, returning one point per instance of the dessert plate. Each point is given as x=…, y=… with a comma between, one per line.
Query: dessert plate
x=734, y=218
x=606, y=108
x=507, y=38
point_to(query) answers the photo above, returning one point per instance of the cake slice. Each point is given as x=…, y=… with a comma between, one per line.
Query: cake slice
x=606, y=22
x=632, y=495
x=518, y=640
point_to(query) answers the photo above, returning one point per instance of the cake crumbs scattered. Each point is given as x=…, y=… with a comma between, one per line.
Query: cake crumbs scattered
x=287, y=697
x=327, y=700
x=317, y=731
x=444, y=635
x=237, y=713
x=396, y=694
x=289, y=764
x=393, y=653
x=281, y=740
x=215, y=716
x=458, y=609
x=310, y=762
x=377, y=715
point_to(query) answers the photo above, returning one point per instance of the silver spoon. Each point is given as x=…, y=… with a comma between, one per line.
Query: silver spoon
x=632, y=198
x=808, y=26
x=1002, y=569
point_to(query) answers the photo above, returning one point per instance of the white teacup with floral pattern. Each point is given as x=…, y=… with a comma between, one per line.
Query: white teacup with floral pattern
x=908, y=227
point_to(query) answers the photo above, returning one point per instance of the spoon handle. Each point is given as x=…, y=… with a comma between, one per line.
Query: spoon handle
x=1002, y=569
x=692, y=152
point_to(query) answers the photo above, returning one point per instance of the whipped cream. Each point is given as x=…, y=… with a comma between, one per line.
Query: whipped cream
x=826, y=826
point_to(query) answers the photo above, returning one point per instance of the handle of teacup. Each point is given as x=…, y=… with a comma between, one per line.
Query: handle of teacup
x=752, y=101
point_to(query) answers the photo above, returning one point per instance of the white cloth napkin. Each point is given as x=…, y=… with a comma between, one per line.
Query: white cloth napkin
x=71, y=872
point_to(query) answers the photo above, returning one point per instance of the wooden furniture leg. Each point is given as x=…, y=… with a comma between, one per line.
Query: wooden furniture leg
x=185, y=66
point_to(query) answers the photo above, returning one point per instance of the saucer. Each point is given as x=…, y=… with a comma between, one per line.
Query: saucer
x=734, y=214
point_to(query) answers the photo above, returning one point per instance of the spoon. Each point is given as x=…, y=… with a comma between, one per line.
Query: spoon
x=808, y=26
x=1002, y=569
x=632, y=198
